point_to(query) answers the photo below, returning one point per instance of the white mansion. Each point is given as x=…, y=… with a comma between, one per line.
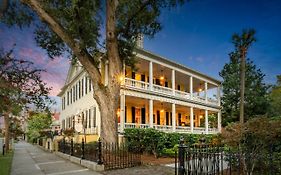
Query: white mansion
x=159, y=94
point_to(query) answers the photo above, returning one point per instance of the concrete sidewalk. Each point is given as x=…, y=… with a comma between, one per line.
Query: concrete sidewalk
x=31, y=160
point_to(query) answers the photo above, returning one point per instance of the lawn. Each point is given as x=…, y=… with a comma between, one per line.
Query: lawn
x=6, y=163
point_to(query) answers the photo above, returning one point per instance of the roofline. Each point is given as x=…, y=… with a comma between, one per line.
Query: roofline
x=169, y=61
x=154, y=56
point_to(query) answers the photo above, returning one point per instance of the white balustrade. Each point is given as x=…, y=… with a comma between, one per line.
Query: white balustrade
x=182, y=94
x=136, y=84
x=165, y=128
x=183, y=129
x=131, y=83
x=212, y=101
x=198, y=130
x=136, y=125
x=162, y=89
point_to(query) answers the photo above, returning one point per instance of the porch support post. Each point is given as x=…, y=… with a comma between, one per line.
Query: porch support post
x=219, y=121
x=191, y=87
x=206, y=96
x=191, y=120
x=219, y=95
x=206, y=122
x=106, y=73
x=174, y=117
x=150, y=113
x=122, y=111
x=173, y=81
x=150, y=75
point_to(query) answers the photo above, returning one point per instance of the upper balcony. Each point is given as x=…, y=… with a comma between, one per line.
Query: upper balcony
x=159, y=79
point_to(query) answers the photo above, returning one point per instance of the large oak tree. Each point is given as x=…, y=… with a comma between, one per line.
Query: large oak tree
x=87, y=28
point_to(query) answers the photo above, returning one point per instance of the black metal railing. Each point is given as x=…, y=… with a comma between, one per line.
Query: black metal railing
x=207, y=159
x=112, y=156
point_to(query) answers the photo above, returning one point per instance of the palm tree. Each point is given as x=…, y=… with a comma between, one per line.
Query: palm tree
x=242, y=43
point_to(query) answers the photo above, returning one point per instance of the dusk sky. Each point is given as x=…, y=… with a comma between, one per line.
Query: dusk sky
x=197, y=35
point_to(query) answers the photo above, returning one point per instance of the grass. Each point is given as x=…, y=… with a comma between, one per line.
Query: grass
x=6, y=163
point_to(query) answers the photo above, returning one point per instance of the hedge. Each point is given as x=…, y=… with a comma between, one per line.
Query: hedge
x=159, y=143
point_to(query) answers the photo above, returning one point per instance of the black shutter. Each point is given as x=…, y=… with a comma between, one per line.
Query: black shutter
x=133, y=75
x=166, y=83
x=179, y=87
x=158, y=117
x=143, y=115
x=143, y=77
x=133, y=114
x=179, y=119
x=171, y=118
x=157, y=81
x=125, y=114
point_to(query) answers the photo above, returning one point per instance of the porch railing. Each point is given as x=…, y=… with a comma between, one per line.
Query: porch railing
x=165, y=128
x=169, y=128
x=136, y=84
x=182, y=94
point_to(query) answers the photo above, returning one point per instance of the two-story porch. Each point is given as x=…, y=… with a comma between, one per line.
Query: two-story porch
x=136, y=112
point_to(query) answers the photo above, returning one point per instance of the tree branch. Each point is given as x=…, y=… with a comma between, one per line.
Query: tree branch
x=82, y=55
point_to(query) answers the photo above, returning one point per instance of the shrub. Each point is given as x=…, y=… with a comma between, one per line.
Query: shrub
x=160, y=143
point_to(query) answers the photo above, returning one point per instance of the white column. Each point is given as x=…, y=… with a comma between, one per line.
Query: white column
x=206, y=96
x=150, y=113
x=106, y=73
x=174, y=117
x=173, y=81
x=191, y=87
x=122, y=111
x=206, y=122
x=219, y=95
x=219, y=121
x=150, y=75
x=191, y=120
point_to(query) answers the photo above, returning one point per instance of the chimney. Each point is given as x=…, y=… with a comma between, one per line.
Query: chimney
x=140, y=40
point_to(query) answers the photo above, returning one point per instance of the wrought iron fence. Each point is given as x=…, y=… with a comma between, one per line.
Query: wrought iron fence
x=206, y=159
x=118, y=156
x=112, y=156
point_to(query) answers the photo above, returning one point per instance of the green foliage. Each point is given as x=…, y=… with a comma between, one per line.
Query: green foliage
x=20, y=84
x=255, y=138
x=83, y=21
x=37, y=123
x=160, y=143
x=256, y=98
x=275, y=99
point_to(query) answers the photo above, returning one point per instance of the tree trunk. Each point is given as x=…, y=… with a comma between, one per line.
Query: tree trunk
x=7, y=131
x=242, y=85
x=107, y=97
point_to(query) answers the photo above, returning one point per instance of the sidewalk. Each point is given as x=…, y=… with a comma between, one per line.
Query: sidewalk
x=31, y=160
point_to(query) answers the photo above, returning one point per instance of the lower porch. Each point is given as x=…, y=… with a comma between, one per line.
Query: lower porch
x=137, y=112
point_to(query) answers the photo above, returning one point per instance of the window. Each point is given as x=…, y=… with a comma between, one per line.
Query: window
x=82, y=88
x=62, y=103
x=71, y=96
x=86, y=85
x=76, y=95
x=86, y=119
x=74, y=92
x=63, y=124
x=67, y=97
x=90, y=116
x=94, y=117
x=90, y=85
x=79, y=89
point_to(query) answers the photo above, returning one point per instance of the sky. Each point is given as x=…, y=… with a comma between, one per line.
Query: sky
x=197, y=34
